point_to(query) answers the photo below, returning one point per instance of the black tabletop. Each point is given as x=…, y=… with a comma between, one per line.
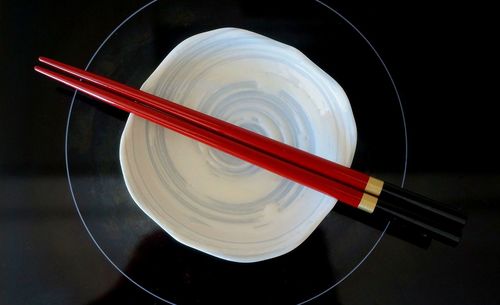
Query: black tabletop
x=447, y=152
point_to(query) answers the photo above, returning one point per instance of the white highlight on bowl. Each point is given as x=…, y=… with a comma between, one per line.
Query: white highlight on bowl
x=214, y=202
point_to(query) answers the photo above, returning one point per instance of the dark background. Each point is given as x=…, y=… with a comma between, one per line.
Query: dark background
x=437, y=55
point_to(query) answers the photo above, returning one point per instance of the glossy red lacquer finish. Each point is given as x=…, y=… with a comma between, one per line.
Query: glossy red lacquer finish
x=304, y=159
x=250, y=154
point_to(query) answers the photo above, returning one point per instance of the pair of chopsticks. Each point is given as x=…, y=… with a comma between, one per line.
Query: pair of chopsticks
x=351, y=187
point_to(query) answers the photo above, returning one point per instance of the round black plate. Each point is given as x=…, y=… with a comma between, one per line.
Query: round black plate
x=149, y=257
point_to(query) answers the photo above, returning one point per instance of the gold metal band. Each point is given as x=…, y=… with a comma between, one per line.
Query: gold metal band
x=368, y=203
x=374, y=186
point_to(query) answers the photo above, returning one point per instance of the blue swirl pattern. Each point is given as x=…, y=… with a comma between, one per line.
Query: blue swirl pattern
x=214, y=202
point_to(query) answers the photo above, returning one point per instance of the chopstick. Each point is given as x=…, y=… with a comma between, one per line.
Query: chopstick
x=349, y=186
x=330, y=187
x=320, y=165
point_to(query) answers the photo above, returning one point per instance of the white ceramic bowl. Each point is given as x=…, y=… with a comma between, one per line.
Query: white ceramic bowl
x=214, y=202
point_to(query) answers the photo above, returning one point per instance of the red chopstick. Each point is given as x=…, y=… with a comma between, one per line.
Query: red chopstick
x=289, y=170
x=304, y=159
x=349, y=186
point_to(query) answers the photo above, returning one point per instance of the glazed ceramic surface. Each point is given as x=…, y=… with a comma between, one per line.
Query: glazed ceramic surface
x=214, y=202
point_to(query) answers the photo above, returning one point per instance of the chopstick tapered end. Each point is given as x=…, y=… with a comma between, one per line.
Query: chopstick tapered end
x=42, y=70
x=42, y=59
x=46, y=72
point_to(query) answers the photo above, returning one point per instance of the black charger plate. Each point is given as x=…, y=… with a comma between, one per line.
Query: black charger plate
x=146, y=255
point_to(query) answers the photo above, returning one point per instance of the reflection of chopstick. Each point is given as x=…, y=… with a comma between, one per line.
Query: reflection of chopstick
x=349, y=186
